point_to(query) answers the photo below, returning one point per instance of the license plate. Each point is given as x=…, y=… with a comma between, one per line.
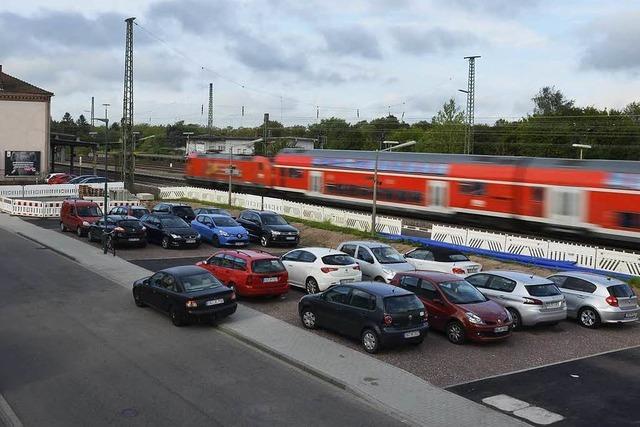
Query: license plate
x=239, y=244
x=215, y=301
x=343, y=281
x=554, y=304
x=291, y=238
x=191, y=240
x=412, y=334
x=631, y=315
x=501, y=329
x=134, y=239
x=269, y=279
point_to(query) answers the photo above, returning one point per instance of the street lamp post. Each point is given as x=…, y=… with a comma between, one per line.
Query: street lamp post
x=105, y=120
x=230, y=171
x=188, y=135
x=581, y=147
x=374, y=200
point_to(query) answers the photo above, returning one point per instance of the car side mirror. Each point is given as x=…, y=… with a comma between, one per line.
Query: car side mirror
x=145, y=281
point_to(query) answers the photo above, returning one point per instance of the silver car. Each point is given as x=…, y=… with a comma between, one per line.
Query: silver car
x=377, y=260
x=593, y=299
x=530, y=299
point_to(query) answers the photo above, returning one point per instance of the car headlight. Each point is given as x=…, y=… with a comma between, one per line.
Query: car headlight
x=473, y=318
x=224, y=233
x=175, y=236
x=275, y=233
x=198, y=235
x=85, y=224
x=143, y=229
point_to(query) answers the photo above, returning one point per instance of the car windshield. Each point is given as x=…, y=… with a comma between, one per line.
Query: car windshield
x=225, y=222
x=173, y=222
x=461, y=292
x=545, y=290
x=338, y=259
x=267, y=266
x=215, y=211
x=88, y=211
x=621, y=291
x=273, y=220
x=402, y=304
x=458, y=257
x=199, y=282
x=139, y=212
x=183, y=211
x=387, y=255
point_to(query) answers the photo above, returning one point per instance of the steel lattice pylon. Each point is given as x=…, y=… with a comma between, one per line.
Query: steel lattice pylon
x=210, y=121
x=127, y=109
x=471, y=88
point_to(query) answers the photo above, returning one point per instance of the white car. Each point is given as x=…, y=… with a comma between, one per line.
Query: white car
x=378, y=261
x=316, y=269
x=442, y=259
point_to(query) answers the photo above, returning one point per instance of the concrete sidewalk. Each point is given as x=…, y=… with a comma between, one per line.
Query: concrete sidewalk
x=406, y=396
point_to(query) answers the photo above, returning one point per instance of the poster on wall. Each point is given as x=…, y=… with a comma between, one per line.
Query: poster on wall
x=21, y=163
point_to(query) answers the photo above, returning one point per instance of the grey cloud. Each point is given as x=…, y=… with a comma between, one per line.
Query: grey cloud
x=198, y=16
x=352, y=41
x=612, y=43
x=494, y=7
x=263, y=56
x=434, y=40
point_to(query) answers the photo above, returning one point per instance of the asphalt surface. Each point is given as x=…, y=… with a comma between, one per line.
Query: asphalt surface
x=601, y=390
x=75, y=350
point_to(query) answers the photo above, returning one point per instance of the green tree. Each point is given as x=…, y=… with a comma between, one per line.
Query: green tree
x=551, y=101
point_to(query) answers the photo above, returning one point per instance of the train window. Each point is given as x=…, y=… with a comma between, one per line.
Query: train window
x=295, y=173
x=473, y=188
x=628, y=219
x=537, y=194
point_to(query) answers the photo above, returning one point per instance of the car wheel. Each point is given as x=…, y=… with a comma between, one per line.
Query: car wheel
x=79, y=231
x=455, y=332
x=176, y=318
x=379, y=279
x=311, y=286
x=138, y=299
x=91, y=236
x=165, y=242
x=370, y=341
x=63, y=228
x=264, y=241
x=308, y=318
x=516, y=319
x=589, y=318
x=215, y=241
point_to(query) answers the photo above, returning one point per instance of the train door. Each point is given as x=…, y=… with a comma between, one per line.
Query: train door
x=566, y=205
x=315, y=182
x=437, y=194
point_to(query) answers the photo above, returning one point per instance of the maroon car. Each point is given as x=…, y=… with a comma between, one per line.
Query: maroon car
x=457, y=307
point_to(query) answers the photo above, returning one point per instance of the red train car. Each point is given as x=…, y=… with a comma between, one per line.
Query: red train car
x=247, y=171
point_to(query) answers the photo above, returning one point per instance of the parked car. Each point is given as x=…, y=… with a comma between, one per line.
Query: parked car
x=60, y=178
x=379, y=261
x=80, y=178
x=249, y=273
x=316, y=269
x=268, y=228
x=137, y=211
x=94, y=180
x=78, y=215
x=121, y=229
x=51, y=175
x=170, y=231
x=435, y=258
x=220, y=230
x=211, y=210
x=593, y=299
x=178, y=209
x=456, y=307
x=376, y=313
x=530, y=299
x=185, y=293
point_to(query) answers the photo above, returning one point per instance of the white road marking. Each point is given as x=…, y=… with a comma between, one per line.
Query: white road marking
x=7, y=416
x=505, y=403
x=538, y=415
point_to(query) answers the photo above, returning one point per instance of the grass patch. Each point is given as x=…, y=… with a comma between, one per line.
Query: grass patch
x=635, y=282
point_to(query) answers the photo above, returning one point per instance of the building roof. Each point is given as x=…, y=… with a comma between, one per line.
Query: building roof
x=14, y=86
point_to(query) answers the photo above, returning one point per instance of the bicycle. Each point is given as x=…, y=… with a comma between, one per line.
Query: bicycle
x=107, y=243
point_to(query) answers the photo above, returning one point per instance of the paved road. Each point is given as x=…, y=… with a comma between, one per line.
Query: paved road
x=74, y=350
x=600, y=390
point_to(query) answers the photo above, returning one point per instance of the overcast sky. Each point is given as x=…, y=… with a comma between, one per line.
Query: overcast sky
x=286, y=57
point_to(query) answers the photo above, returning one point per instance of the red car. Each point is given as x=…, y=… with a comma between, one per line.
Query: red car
x=60, y=178
x=78, y=215
x=457, y=307
x=248, y=272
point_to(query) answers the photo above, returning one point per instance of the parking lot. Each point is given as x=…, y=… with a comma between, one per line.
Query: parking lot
x=436, y=360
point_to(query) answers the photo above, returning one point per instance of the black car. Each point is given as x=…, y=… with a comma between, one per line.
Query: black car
x=211, y=210
x=137, y=211
x=170, y=231
x=185, y=293
x=268, y=228
x=376, y=313
x=178, y=209
x=122, y=229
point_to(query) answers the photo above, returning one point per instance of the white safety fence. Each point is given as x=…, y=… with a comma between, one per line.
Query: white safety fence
x=581, y=255
x=338, y=217
x=12, y=202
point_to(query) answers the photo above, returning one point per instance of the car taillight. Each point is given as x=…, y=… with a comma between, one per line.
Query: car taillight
x=328, y=269
x=424, y=315
x=612, y=301
x=356, y=267
x=457, y=270
x=387, y=319
x=233, y=296
x=191, y=304
x=532, y=301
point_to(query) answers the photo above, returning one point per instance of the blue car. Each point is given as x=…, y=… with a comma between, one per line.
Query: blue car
x=220, y=230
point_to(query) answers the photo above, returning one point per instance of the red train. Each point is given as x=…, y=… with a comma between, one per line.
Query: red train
x=601, y=197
